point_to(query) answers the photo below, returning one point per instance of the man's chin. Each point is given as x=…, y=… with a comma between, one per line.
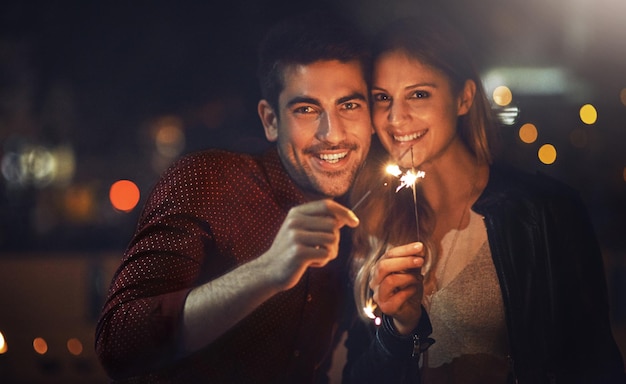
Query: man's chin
x=333, y=186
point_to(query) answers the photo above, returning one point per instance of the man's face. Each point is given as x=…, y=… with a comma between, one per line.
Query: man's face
x=322, y=126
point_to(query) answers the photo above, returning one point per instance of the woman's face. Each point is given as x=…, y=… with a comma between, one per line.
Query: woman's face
x=414, y=105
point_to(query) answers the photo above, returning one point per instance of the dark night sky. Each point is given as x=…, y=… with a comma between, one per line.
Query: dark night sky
x=92, y=73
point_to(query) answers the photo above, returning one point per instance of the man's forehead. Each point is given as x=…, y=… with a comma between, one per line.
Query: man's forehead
x=323, y=75
x=299, y=68
x=322, y=82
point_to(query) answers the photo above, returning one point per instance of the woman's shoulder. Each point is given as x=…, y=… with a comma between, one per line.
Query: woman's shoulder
x=511, y=183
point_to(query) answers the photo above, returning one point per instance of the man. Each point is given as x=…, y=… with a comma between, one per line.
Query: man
x=233, y=274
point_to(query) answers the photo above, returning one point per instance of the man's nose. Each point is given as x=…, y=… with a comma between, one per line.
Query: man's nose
x=331, y=128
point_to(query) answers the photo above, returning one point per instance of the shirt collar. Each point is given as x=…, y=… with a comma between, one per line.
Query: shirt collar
x=286, y=192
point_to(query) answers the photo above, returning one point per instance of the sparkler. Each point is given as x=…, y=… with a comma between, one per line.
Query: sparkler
x=370, y=307
x=361, y=200
x=407, y=179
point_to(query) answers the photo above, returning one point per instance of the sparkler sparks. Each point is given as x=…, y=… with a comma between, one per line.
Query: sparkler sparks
x=370, y=307
x=407, y=179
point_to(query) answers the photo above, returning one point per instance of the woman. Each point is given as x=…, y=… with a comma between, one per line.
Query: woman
x=508, y=275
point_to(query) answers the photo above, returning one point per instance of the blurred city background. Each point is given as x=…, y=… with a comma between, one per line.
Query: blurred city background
x=98, y=98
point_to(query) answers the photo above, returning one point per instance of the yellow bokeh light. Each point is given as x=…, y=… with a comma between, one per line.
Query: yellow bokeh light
x=74, y=346
x=528, y=133
x=40, y=345
x=124, y=195
x=3, y=345
x=502, y=96
x=622, y=96
x=547, y=154
x=169, y=134
x=588, y=114
x=169, y=137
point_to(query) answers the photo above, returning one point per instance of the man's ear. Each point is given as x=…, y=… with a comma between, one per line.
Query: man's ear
x=466, y=97
x=269, y=119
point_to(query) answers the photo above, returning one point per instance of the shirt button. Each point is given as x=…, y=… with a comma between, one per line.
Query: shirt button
x=309, y=298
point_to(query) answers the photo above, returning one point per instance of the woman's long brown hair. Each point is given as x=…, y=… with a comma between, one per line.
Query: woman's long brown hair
x=387, y=217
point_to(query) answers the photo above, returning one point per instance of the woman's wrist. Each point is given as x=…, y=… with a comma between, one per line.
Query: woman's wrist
x=407, y=345
x=404, y=328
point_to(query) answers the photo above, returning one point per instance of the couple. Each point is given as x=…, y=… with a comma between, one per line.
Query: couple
x=236, y=272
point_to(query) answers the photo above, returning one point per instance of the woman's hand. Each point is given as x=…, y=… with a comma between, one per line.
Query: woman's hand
x=398, y=285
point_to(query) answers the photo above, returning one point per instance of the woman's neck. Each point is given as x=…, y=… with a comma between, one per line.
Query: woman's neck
x=453, y=180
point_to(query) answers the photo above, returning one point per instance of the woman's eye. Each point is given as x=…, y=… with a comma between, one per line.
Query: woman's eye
x=381, y=97
x=420, y=94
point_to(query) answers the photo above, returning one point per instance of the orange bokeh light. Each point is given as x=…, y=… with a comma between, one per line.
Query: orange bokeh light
x=75, y=346
x=124, y=195
x=547, y=154
x=528, y=133
x=40, y=346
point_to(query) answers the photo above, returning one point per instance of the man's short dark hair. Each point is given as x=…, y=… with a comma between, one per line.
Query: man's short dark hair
x=305, y=39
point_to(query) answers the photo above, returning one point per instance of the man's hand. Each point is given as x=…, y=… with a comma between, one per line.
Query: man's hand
x=398, y=285
x=309, y=237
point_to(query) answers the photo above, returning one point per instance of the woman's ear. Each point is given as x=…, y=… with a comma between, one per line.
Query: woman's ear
x=466, y=97
x=269, y=119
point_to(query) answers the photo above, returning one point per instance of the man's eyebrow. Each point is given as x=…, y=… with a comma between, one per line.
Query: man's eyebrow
x=302, y=100
x=354, y=96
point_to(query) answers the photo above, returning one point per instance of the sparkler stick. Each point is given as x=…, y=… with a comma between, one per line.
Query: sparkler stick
x=408, y=180
x=361, y=200
x=417, y=223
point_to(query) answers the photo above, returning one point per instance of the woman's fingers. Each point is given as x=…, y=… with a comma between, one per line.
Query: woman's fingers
x=415, y=249
x=403, y=259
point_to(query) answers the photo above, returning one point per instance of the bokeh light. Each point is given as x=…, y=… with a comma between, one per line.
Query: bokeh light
x=588, y=114
x=547, y=154
x=622, y=96
x=74, y=346
x=528, y=133
x=578, y=138
x=169, y=137
x=124, y=195
x=502, y=96
x=38, y=166
x=40, y=346
x=79, y=201
x=507, y=115
x=3, y=345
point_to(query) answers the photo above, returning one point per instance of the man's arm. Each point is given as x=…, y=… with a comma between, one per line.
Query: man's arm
x=309, y=237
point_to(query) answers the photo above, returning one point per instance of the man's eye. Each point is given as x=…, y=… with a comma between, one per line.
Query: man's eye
x=351, y=105
x=304, y=110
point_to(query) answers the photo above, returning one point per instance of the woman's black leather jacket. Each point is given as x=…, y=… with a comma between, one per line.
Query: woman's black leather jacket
x=551, y=274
